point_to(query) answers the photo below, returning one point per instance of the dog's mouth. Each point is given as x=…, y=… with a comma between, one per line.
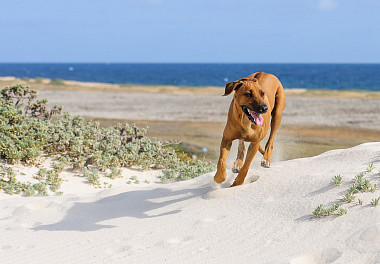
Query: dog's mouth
x=254, y=117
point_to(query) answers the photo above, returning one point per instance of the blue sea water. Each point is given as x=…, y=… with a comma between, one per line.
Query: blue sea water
x=310, y=76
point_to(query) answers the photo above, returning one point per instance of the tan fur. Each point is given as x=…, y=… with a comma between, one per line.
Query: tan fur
x=265, y=89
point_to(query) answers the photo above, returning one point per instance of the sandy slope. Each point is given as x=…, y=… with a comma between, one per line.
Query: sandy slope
x=198, y=221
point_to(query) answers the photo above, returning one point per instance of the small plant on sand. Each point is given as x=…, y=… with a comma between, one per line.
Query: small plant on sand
x=85, y=172
x=185, y=168
x=46, y=179
x=93, y=178
x=342, y=211
x=115, y=173
x=362, y=185
x=41, y=174
x=53, y=180
x=337, y=180
x=58, y=167
x=41, y=188
x=332, y=209
x=348, y=197
x=318, y=211
x=375, y=201
x=323, y=210
x=369, y=167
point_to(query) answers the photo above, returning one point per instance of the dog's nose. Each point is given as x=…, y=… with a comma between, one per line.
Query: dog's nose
x=263, y=109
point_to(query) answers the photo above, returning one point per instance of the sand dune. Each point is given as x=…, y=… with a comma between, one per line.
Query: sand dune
x=267, y=220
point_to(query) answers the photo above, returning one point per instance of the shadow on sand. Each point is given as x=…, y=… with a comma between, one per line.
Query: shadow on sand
x=85, y=216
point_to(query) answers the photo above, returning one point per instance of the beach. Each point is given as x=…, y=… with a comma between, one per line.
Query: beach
x=113, y=119
x=267, y=220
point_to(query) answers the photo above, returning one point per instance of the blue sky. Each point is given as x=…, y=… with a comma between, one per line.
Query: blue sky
x=270, y=31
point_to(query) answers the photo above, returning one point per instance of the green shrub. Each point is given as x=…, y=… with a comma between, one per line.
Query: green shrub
x=27, y=131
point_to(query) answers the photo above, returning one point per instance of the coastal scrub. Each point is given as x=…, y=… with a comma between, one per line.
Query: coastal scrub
x=29, y=130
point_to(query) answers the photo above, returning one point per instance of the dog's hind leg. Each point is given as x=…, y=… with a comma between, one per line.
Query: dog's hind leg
x=252, y=150
x=239, y=159
x=275, y=123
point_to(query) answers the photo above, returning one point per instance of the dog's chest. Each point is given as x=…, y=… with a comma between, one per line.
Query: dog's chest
x=252, y=135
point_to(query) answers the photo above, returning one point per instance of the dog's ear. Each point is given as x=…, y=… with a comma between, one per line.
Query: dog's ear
x=230, y=87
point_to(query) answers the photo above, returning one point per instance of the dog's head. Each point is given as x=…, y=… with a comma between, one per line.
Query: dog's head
x=250, y=98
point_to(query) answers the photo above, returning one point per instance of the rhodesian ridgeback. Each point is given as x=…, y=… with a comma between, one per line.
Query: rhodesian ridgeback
x=257, y=98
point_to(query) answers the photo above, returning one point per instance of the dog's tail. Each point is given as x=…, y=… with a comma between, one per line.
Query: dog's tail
x=261, y=150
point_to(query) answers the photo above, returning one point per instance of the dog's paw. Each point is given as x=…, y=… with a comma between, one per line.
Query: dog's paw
x=237, y=182
x=237, y=166
x=219, y=177
x=235, y=170
x=265, y=164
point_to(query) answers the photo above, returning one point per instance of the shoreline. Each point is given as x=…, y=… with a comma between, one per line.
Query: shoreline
x=46, y=84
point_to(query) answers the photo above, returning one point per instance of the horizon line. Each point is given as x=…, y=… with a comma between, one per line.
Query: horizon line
x=189, y=62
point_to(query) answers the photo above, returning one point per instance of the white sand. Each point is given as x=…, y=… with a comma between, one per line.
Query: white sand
x=198, y=221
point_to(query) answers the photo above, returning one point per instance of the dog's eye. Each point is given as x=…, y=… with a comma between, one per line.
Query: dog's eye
x=262, y=94
x=248, y=94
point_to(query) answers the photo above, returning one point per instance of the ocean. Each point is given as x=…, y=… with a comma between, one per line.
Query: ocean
x=309, y=76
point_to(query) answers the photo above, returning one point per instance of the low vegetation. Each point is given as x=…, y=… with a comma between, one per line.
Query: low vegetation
x=29, y=130
x=360, y=184
x=323, y=210
x=375, y=201
x=337, y=180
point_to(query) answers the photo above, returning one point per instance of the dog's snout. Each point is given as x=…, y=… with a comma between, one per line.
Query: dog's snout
x=263, y=109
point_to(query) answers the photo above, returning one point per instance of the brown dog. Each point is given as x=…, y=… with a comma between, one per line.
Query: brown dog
x=257, y=98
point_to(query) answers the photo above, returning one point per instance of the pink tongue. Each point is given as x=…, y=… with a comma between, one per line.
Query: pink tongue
x=259, y=120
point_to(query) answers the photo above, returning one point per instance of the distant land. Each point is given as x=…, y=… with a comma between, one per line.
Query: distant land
x=364, y=77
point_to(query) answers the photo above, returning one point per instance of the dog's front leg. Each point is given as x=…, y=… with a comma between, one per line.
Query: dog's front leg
x=252, y=150
x=225, y=146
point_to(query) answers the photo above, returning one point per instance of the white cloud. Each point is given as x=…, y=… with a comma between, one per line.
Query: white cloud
x=327, y=5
